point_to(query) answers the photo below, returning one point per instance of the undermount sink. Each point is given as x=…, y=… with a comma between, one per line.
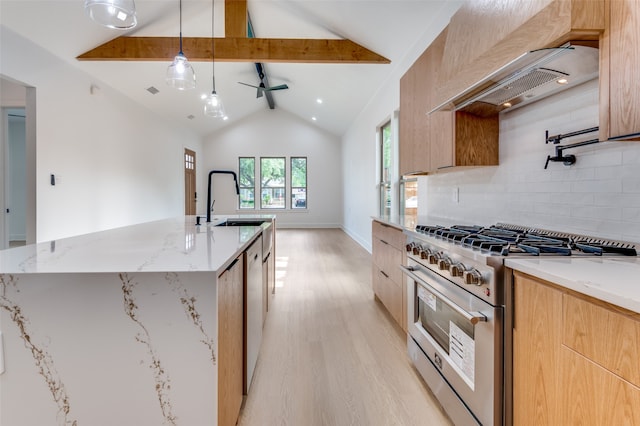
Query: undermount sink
x=267, y=230
x=243, y=222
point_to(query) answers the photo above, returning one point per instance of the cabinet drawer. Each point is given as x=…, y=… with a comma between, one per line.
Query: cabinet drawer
x=608, y=338
x=389, y=293
x=388, y=259
x=595, y=396
x=389, y=234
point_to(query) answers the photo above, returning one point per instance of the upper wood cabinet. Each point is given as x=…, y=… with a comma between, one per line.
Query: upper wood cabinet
x=620, y=71
x=443, y=139
x=485, y=35
x=415, y=93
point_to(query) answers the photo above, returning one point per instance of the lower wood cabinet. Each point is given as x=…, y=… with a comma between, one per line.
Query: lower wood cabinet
x=230, y=343
x=388, y=244
x=575, y=358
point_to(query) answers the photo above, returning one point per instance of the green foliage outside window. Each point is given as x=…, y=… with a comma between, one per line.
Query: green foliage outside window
x=247, y=178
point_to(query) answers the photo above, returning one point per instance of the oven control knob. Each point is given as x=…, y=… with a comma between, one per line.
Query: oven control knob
x=416, y=249
x=444, y=263
x=434, y=257
x=409, y=246
x=424, y=253
x=457, y=270
x=472, y=276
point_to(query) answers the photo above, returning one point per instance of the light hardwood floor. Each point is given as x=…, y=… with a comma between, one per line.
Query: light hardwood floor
x=331, y=355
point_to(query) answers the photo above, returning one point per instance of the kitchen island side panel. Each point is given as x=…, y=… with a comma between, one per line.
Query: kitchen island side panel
x=109, y=348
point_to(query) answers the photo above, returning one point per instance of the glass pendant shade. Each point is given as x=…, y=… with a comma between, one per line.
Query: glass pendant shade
x=213, y=106
x=118, y=14
x=180, y=74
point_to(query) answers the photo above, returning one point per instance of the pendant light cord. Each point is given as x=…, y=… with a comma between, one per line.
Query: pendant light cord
x=213, y=65
x=181, y=28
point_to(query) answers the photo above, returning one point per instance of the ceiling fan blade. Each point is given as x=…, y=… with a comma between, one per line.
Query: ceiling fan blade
x=280, y=87
x=250, y=85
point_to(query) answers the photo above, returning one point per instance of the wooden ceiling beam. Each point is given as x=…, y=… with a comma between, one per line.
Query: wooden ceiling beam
x=235, y=18
x=235, y=49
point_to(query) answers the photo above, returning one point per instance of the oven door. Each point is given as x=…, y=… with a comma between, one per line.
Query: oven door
x=461, y=336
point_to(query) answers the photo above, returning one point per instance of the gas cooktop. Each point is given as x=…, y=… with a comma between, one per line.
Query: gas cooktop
x=504, y=239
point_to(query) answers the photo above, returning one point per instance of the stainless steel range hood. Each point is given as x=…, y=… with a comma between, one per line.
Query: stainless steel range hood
x=529, y=78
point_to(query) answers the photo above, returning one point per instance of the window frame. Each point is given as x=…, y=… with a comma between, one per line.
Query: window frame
x=294, y=205
x=385, y=176
x=241, y=186
x=283, y=188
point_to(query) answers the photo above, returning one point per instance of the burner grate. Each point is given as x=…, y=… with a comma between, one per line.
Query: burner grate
x=504, y=239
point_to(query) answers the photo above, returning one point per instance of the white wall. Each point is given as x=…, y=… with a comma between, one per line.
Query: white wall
x=276, y=133
x=359, y=144
x=599, y=195
x=117, y=162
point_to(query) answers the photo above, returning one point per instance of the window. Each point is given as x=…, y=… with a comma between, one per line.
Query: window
x=247, y=182
x=298, y=182
x=385, y=169
x=272, y=179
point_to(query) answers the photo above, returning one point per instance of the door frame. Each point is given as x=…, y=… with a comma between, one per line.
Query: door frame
x=190, y=182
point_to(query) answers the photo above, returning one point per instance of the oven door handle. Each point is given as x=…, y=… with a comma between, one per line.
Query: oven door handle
x=472, y=317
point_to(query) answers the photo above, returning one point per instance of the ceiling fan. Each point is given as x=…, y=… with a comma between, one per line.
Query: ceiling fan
x=262, y=88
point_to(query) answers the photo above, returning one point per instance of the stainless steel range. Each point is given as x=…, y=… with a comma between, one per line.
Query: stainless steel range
x=459, y=315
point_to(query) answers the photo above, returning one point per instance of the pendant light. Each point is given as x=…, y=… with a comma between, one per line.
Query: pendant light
x=118, y=14
x=213, y=104
x=180, y=74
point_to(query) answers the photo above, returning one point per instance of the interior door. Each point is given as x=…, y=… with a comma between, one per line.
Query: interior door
x=190, y=195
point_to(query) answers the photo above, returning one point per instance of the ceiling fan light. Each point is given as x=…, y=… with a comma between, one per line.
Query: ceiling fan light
x=180, y=74
x=118, y=14
x=213, y=106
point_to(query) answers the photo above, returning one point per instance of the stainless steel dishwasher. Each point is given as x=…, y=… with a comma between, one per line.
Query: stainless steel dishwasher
x=253, y=290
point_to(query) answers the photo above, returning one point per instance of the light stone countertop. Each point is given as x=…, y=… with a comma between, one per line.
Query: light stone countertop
x=169, y=245
x=611, y=279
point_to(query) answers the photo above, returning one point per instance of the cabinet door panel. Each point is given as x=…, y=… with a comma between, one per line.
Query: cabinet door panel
x=390, y=294
x=389, y=234
x=608, y=338
x=230, y=344
x=624, y=68
x=594, y=396
x=536, y=353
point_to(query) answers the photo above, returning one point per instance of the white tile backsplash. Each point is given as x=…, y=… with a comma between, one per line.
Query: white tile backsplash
x=599, y=195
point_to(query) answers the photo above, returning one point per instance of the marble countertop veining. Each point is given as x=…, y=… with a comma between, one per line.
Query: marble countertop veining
x=611, y=279
x=174, y=245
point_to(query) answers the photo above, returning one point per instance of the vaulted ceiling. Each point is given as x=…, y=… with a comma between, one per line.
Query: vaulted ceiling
x=387, y=29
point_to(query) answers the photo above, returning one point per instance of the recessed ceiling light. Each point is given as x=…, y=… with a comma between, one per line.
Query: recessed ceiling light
x=319, y=100
x=225, y=118
x=313, y=118
x=506, y=104
x=562, y=81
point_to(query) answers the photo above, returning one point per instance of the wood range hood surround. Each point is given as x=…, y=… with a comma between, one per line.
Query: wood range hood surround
x=504, y=30
x=482, y=37
x=236, y=46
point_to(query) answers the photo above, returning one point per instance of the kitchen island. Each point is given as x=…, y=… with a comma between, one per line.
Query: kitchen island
x=117, y=327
